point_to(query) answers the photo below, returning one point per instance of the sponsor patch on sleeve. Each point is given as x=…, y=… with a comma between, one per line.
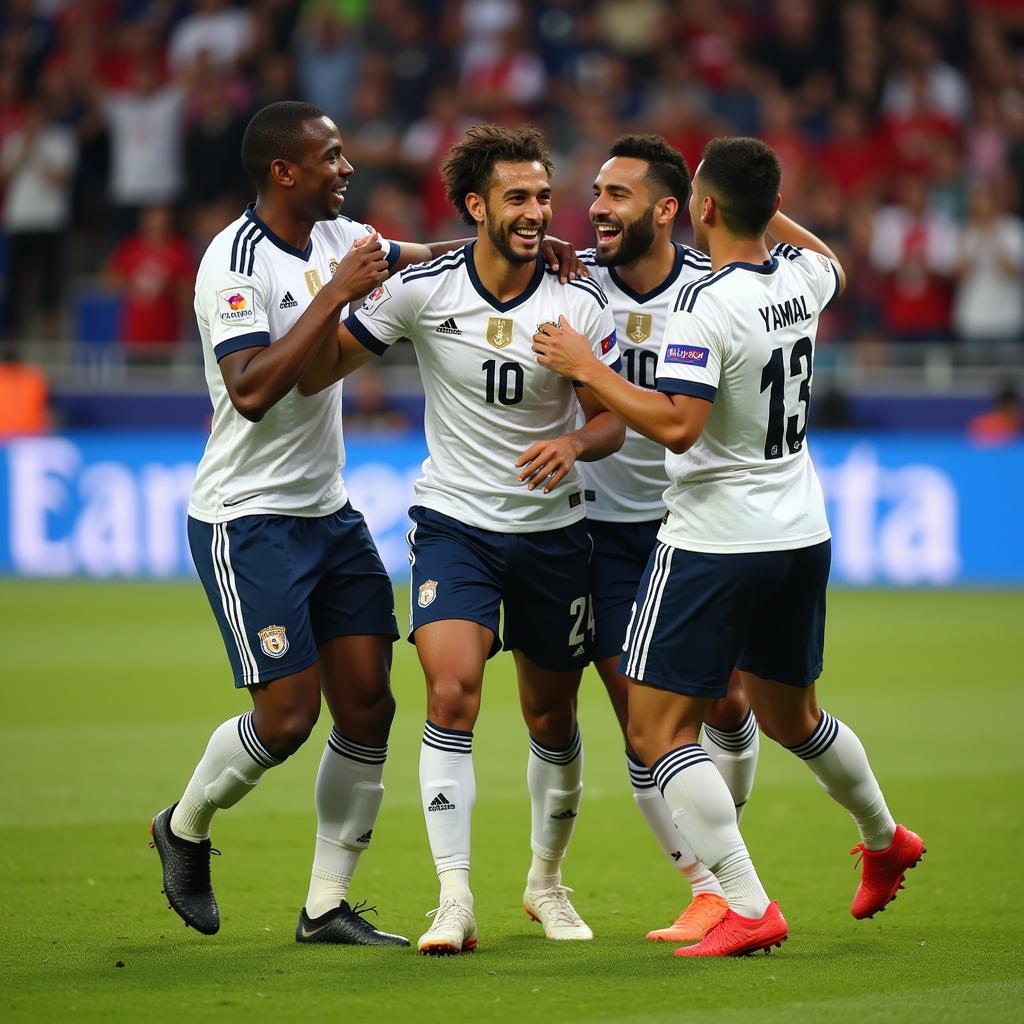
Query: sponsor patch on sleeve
x=376, y=299
x=689, y=354
x=237, y=305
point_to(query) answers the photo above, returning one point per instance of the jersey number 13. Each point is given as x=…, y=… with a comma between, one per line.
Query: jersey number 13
x=773, y=380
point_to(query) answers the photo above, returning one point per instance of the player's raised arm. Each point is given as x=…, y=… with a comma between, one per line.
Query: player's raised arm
x=676, y=421
x=258, y=378
x=785, y=229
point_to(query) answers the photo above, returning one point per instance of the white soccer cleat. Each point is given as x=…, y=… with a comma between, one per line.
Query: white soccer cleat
x=453, y=930
x=551, y=907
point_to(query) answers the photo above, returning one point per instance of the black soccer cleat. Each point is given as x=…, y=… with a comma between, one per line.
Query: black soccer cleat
x=344, y=926
x=186, y=875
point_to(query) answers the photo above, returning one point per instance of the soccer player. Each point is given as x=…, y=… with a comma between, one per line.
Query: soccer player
x=637, y=195
x=499, y=509
x=739, y=573
x=301, y=597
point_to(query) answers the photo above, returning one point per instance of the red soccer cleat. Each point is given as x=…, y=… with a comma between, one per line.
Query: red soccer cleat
x=704, y=912
x=740, y=936
x=882, y=871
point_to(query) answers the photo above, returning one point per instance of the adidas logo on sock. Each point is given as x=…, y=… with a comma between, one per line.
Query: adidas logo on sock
x=676, y=855
x=440, y=803
x=365, y=837
x=449, y=327
x=289, y=301
x=564, y=815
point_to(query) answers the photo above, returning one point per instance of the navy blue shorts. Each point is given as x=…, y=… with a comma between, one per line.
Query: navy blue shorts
x=621, y=554
x=542, y=579
x=282, y=586
x=697, y=615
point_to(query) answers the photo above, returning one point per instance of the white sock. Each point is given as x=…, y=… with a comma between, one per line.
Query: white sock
x=348, y=797
x=703, y=811
x=233, y=764
x=734, y=752
x=835, y=755
x=554, y=778
x=448, y=791
x=659, y=819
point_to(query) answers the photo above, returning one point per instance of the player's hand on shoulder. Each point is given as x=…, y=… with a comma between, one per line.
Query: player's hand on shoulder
x=546, y=462
x=561, y=257
x=363, y=267
x=562, y=349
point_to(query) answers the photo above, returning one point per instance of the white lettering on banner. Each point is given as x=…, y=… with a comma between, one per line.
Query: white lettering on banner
x=897, y=525
x=165, y=491
x=106, y=531
x=40, y=474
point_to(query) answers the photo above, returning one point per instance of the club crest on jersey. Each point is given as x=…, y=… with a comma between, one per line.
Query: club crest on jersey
x=690, y=354
x=313, y=282
x=333, y=266
x=273, y=641
x=638, y=327
x=237, y=305
x=376, y=298
x=428, y=591
x=499, y=331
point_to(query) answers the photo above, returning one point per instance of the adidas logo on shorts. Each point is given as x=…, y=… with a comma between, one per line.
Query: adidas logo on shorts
x=449, y=327
x=289, y=301
x=440, y=803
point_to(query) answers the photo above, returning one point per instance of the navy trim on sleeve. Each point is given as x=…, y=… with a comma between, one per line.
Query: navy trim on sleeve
x=691, y=388
x=257, y=339
x=835, y=291
x=394, y=255
x=363, y=336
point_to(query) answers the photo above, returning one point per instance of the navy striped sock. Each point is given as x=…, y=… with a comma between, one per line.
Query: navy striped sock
x=454, y=741
x=356, y=751
x=823, y=736
x=669, y=765
x=734, y=740
x=253, y=744
x=557, y=755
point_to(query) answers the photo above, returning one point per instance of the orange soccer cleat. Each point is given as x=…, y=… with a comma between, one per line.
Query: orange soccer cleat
x=706, y=909
x=736, y=935
x=882, y=871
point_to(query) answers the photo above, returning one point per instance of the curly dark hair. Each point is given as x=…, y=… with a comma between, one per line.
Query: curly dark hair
x=276, y=132
x=743, y=176
x=667, y=173
x=470, y=163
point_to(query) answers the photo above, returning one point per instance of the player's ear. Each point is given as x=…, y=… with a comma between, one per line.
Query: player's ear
x=778, y=203
x=476, y=206
x=665, y=210
x=281, y=174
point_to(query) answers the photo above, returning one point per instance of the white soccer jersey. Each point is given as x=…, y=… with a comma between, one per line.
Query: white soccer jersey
x=487, y=397
x=628, y=487
x=743, y=337
x=251, y=288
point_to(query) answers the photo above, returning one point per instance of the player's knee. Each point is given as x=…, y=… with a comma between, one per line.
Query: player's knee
x=554, y=727
x=288, y=730
x=452, y=701
x=729, y=711
x=787, y=730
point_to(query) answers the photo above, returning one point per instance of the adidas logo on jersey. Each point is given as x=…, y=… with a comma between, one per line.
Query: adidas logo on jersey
x=566, y=815
x=449, y=327
x=365, y=837
x=289, y=301
x=440, y=803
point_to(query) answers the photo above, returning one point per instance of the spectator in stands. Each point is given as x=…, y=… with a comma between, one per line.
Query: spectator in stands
x=153, y=270
x=37, y=161
x=915, y=249
x=1003, y=423
x=216, y=32
x=989, y=302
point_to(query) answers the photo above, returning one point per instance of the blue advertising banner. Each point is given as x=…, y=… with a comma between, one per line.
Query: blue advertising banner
x=905, y=510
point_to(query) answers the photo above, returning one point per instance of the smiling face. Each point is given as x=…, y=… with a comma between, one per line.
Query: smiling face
x=623, y=211
x=516, y=211
x=321, y=174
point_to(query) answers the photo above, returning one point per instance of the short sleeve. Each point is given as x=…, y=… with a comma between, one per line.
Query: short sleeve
x=386, y=315
x=393, y=249
x=234, y=305
x=820, y=272
x=690, y=361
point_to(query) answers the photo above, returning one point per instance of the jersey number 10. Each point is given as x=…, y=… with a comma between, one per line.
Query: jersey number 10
x=773, y=380
x=504, y=382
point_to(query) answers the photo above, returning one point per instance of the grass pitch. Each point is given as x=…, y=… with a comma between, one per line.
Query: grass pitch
x=111, y=690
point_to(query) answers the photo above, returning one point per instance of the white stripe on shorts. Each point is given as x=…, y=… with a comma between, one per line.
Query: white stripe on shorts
x=232, y=603
x=647, y=620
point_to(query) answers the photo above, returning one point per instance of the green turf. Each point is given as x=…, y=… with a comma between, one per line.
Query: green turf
x=110, y=691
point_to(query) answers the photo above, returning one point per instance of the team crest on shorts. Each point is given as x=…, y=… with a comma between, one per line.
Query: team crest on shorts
x=273, y=641
x=638, y=327
x=428, y=591
x=499, y=331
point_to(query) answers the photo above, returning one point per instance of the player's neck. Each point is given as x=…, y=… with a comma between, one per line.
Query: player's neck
x=283, y=223
x=726, y=248
x=502, y=278
x=651, y=269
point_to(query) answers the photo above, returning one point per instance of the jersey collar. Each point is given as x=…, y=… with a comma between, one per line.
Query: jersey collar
x=768, y=267
x=302, y=254
x=641, y=297
x=518, y=300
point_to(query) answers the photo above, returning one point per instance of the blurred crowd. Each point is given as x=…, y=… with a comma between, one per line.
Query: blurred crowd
x=900, y=126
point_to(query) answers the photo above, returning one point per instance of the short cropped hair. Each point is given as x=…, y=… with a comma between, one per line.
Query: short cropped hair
x=276, y=133
x=667, y=173
x=743, y=176
x=470, y=163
